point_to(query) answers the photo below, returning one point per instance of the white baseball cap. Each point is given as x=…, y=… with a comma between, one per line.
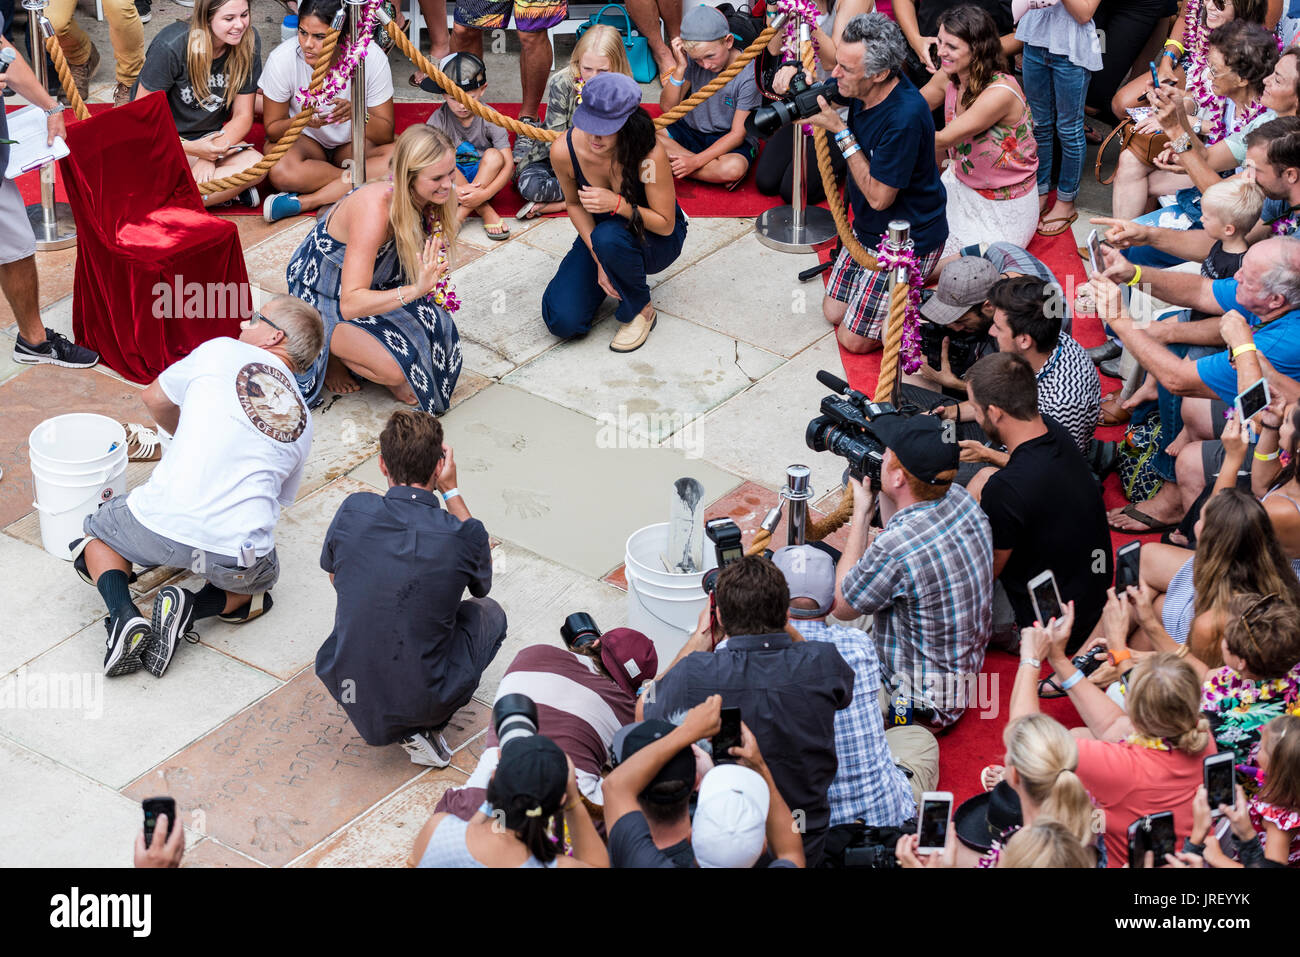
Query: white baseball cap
x=730, y=823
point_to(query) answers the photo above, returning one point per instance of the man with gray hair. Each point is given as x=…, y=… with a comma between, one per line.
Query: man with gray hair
x=1195, y=395
x=241, y=435
x=888, y=146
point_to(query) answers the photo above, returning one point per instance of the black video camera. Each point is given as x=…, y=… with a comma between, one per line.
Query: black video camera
x=725, y=535
x=963, y=347
x=844, y=428
x=799, y=103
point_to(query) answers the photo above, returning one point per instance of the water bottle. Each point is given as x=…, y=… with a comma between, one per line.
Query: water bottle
x=247, y=556
x=289, y=27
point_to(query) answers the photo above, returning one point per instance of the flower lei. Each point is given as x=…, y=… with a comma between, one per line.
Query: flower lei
x=345, y=63
x=801, y=11
x=1243, y=120
x=1224, y=685
x=1151, y=744
x=444, y=293
x=888, y=260
x=578, y=84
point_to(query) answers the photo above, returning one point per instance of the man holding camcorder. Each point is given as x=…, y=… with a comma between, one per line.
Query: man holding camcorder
x=926, y=577
x=888, y=144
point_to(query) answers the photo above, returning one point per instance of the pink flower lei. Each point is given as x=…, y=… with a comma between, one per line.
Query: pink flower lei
x=888, y=259
x=345, y=63
x=1244, y=119
x=444, y=293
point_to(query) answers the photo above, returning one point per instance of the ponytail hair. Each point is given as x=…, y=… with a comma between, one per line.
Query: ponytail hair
x=1045, y=757
x=635, y=142
x=534, y=832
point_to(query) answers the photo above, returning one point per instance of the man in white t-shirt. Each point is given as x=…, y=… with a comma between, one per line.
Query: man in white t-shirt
x=314, y=172
x=241, y=435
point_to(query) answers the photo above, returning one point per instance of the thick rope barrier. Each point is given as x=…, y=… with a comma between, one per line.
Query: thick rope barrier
x=65, y=78
x=421, y=62
x=258, y=170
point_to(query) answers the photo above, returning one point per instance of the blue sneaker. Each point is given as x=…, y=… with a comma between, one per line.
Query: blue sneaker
x=281, y=206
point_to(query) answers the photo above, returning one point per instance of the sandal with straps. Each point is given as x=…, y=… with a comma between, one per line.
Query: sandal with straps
x=143, y=444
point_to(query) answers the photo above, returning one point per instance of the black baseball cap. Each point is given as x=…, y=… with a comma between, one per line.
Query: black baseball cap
x=680, y=767
x=530, y=780
x=921, y=443
x=465, y=70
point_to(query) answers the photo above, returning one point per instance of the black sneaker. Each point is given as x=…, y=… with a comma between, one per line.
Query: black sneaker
x=56, y=350
x=127, y=640
x=173, y=616
x=145, y=9
x=428, y=749
x=249, y=198
x=256, y=608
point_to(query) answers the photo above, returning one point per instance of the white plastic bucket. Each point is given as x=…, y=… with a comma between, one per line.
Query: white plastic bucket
x=78, y=462
x=664, y=606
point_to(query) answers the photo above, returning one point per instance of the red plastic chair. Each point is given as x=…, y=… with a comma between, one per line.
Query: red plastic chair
x=156, y=274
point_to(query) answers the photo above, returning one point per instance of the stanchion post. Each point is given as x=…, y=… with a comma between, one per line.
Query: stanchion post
x=798, y=492
x=358, y=90
x=900, y=238
x=51, y=222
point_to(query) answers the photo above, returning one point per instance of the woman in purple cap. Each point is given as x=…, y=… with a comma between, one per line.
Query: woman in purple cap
x=618, y=188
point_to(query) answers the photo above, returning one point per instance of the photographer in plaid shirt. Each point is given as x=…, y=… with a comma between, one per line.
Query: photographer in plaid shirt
x=926, y=578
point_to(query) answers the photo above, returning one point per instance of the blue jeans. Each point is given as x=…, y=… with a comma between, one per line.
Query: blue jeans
x=1055, y=89
x=572, y=298
x=1146, y=256
x=1171, y=417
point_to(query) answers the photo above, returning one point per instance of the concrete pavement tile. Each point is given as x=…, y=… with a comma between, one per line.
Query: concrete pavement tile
x=9, y=368
x=524, y=473
x=56, y=314
x=703, y=236
x=502, y=298
x=280, y=777
x=471, y=233
x=45, y=602
x=268, y=260
x=537, y=594
x=118, y=728
x=345, y=428
x=761, y=431
x=42, y=392
x=55, y=817
x=210, y=852
x=485, y=360
x=681, y=372
x=752, y=293
x=466, y=724
x=553, y=235
x=254, y=230
x=286, y=639
x=384, y=835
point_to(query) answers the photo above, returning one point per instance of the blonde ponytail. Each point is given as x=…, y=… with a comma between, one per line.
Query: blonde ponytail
x=1045, y=757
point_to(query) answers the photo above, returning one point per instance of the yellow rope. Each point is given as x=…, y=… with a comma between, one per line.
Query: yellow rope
x=65, y=78
x=259, y=169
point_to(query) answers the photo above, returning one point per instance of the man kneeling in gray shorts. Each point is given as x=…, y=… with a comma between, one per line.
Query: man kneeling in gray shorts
x=241, y=435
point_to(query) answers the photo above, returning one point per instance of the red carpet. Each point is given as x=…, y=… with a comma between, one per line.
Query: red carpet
x=975, y=743
x=697, y=199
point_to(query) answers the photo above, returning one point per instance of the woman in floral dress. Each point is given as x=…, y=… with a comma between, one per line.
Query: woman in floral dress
x=988, y=136
x=377, y=269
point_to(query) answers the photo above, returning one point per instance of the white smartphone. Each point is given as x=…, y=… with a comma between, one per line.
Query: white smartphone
x=1094, y=252
x=935, y=818
x=1219, y=781
x=1045, y=596
x=1252, y=401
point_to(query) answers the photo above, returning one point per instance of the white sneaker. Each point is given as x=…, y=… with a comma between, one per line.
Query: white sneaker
x=428, y=748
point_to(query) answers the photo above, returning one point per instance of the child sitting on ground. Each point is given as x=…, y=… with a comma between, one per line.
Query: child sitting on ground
x=710, y=142
x=483, y=161
x=598, y=50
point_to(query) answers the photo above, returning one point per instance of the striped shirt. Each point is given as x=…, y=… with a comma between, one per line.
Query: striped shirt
x=868, y=785
x=1069, y=390
x=578, y=707
x=927, y=582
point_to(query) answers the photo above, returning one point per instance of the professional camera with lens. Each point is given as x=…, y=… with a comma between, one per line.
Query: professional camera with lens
x=844, y=428
x=963, y=347
x=799, y=103
x=514, y=716
x=725, y=535
x=578, y=631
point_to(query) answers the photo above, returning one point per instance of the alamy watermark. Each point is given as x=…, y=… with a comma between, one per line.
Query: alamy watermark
x=54, y=691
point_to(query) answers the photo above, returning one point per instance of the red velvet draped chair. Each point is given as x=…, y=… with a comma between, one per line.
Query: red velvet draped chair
x=157, y=275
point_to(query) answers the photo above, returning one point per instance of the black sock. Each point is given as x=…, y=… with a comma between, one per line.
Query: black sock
x=210, y=601
x=114, y=588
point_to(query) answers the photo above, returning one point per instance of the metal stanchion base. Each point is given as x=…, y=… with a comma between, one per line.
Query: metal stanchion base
x=63, y=232
x=776, y=229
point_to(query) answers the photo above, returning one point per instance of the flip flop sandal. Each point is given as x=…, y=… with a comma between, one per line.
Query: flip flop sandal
x=1048, y=688
x=142, y=443
x=984, y=773
x=1152, y=525
x=427, y=85
x=502, y=231
x=524, y=210
x=256, y=608
x=1112, y=412
x=1065, y=221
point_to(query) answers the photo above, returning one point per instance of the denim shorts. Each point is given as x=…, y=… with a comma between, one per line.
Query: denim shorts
x=697, y=141
x=116, y=526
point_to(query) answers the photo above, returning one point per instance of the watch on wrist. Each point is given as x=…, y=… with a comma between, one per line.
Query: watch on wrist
x=55, y=110
x=1182, y=144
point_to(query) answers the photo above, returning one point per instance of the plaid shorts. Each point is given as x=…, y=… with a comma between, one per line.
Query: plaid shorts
x=867, y=292
x=530, y=15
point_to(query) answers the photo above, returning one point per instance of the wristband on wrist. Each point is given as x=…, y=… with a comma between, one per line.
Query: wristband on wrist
x=1171, y=42
x=676, y=82
x=1171, y=54
x=1247, y=347
x=854, y=148
x=1118, y=656
x=1183, y=650
x=451, y=493
x=1268, y=456
x=618, y=204
x=1071, y=681
x=843, y=134
x=1137, y=276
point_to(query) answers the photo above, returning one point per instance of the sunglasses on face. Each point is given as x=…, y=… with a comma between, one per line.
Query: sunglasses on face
x=258, y=317
x=1220, y=5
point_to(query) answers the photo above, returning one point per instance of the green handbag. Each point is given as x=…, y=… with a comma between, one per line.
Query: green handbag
x=644, y=68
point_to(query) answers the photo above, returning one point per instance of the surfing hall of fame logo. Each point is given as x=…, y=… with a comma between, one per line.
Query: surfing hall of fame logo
x=270, y=402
